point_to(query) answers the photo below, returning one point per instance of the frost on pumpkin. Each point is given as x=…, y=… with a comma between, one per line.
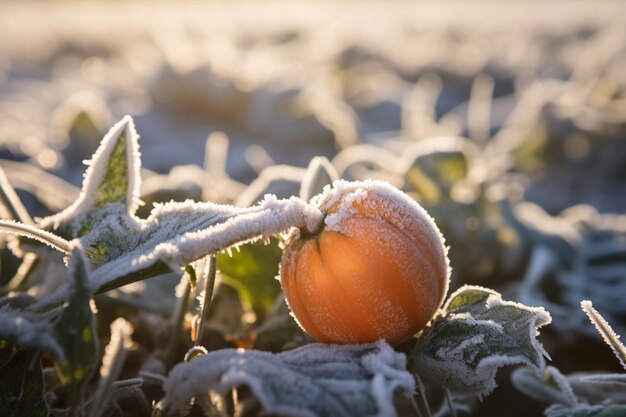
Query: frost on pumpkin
x=314, y=380
x=476, y=334
x=342, y=198
x=123, y=248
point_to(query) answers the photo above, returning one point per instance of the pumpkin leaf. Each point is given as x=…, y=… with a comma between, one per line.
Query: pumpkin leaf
x=22, y=388
x=314, y=380
x=476, y=334
x=111, y=185
x=123, y=248
x=76, y=332
x=252, y=272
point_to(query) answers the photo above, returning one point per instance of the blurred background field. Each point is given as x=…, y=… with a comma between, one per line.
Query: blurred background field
x=505, y=119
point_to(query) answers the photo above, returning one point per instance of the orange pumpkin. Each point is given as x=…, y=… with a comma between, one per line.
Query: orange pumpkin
x=376, y=269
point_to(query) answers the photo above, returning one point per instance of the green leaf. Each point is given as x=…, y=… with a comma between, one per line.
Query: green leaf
x=313, y=380
x=76, y=332
x=252, y=272
x=122, y=248
x=110, y=188
x=437, y=164
x=478, y=333
x=22, y=389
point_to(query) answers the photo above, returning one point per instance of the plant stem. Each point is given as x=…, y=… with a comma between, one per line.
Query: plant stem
x=449, y=402
x=11, y=201
x=32, y=232
x=210, y=270
x=419, y=399
x=178, y=318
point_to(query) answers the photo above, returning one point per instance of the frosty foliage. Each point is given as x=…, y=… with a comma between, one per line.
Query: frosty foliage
x=314, y=380
x=605, y=379
x=585, y=410
x=581, y=252
x=550, y=387
x=28, y=330
x=120, y=245
x=476, y=334
x=76, y=331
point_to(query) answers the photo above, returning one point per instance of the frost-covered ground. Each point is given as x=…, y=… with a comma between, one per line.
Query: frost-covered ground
x=301, y=79
x=538, y=88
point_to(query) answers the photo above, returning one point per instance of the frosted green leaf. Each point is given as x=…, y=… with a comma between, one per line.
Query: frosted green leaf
x=76, y=332
x=123, y=248
x=476, y=334
x=110, y=188
x=312, y=381
x=435, y=165
x=22, y=388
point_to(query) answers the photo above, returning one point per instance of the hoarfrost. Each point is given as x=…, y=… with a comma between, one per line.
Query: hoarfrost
x=314, y=380
x=95, y=176
x=605, y=330
x=28, y=330
x=476, y=334
x=122, y=247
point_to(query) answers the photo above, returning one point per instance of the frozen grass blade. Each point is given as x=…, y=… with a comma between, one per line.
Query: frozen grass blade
x=605, y=379
x=319, y=174
x=50, y=239
x=11, y=201
x=112, y=365
x=605, y=330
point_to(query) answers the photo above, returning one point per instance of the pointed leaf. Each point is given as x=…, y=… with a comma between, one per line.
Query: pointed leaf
x=122, y=248
x=22, y=389
x=477, y=334
x=314, y=380
x=111, y=185
x=76, y=332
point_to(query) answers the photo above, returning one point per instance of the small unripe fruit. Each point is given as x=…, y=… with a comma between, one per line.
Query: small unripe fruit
x=376, y=269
